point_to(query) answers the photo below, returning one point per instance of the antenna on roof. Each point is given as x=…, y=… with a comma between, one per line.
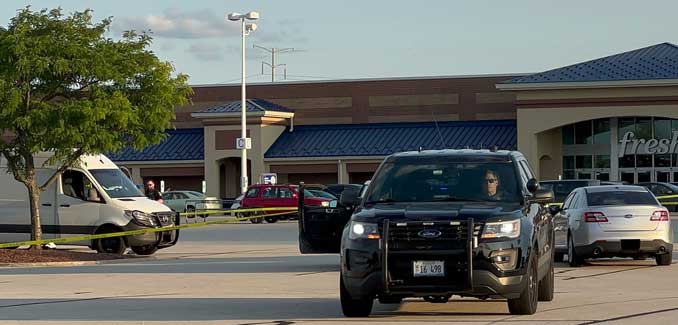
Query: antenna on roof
x=421, y=148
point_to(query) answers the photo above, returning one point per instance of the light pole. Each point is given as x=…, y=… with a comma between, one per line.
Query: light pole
x=243, y=143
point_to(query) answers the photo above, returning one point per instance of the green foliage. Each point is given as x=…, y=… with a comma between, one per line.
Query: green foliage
x=65, y=86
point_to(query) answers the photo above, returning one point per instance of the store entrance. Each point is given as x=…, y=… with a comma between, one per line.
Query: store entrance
x=647, y=175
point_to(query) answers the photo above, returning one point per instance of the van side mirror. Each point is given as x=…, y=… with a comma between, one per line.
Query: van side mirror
x=542, y=195
x=93, y=195
x=350, y=197
x=532, y=185
x=554, y=209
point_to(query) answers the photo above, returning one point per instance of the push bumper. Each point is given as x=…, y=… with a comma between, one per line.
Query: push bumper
x=161, y=239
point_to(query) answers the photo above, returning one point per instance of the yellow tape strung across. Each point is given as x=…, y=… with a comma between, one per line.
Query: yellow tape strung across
x=149, y=230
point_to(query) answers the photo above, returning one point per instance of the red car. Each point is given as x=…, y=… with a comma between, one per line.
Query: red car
x=269, y=196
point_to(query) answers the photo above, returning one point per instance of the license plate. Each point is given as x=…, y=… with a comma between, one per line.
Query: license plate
x=428, y=268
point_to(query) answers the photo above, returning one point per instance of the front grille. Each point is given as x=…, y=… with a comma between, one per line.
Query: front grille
x=164, y=218
x=448, y=241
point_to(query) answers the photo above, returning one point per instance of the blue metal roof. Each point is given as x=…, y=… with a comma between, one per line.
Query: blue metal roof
x=650, y=63
x=387, y=138
x=253, y=105
x=182, y=144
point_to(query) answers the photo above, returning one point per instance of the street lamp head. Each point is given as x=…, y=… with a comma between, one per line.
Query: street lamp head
x=235, y=16
x=252, y=15
x=250, y=27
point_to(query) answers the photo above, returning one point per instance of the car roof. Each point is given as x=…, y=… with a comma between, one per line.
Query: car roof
x=462, y=154
x=607, y=188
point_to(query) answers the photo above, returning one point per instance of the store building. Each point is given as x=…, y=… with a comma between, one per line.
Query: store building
x=609, y=118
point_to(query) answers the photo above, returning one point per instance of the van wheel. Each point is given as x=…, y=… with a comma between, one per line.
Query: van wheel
x=113, y=245
x=526, y=304
x=664, y=259
x=252, y=216
x=144, y=250
x=353, y=307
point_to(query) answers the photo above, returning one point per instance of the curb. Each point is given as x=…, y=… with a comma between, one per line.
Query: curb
x=78, y=263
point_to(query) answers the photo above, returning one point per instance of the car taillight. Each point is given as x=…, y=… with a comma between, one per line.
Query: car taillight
x=660, y=215
x=295, y=195
x=594, y=217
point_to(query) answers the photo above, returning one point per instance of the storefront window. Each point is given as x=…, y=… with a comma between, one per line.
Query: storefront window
x=643, y=128
x=568, y=174
x=584, y=176
x=628, y=161
x=583, y=134
x=627, y=177
x=662, y=160
x=643, y=161
x=662, y=128
x=602, y=161
x=644, y=177
x=584, y=162
x=568, y=134
x=568, y=162
x=601, y=131
x=674, y=125
x=625, y=125
x=603, y=176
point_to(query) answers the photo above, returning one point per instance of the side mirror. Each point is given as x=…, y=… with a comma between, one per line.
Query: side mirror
x=93, y=195
x=554, y=209
x=350, y=197
x=532, y=185
x=542, y=195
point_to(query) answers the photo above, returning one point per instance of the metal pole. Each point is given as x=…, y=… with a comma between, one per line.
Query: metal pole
x=273, y=64
x=243, y=117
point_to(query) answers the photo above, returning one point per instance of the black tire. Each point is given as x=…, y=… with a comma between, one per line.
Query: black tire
x=190, y=209
x=572, y=257
x=144, y=250
x=390, y=300
x=546, y=285
x=113, y=245
x=354, y=307
x=527, y=303
x=664, y=259
x=271, y=219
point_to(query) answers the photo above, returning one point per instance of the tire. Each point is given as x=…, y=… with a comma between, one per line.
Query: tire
x=546, y=285
x=144, y=250
x=390, y=300
x=353, y=307
x=271, y=219
x=572, y=258
x=664, y=259
x=113, y=245
x=190, y=209
x=527, y=303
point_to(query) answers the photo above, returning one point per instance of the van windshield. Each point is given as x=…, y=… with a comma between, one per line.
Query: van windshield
x=115, y=183
x=422, y=181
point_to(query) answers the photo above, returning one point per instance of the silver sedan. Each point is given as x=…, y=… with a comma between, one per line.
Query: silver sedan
x=613, y=221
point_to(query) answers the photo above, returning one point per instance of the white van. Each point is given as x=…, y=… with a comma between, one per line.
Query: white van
x=93, y=197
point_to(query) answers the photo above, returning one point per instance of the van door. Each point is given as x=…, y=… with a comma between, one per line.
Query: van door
x=48, y=216
x=78, y=210
x=320, y=228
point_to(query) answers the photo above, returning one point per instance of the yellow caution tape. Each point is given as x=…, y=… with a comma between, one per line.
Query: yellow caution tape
x=142, y=231
x=667, y=197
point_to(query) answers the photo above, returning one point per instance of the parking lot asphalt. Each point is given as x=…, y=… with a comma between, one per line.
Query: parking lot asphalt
x=253, y=274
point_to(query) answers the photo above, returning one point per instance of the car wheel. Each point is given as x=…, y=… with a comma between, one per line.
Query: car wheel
x=145, y=250
x=547, y=283
x=190, y=209
x=353, y=307
x=253, y=217
x=527, y=303
x=664, y=259
x=271, y=219
x=113, y=245
x=572, y=258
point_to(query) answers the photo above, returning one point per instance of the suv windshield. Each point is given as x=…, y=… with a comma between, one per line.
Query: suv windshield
x=424, y=181
x=115, y=183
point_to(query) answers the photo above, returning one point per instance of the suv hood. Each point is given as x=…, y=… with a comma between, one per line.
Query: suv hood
x=479, y=211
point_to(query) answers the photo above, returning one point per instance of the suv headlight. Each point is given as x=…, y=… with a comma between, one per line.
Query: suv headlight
x=141, y=218
x=363, y=230
x=505, y=229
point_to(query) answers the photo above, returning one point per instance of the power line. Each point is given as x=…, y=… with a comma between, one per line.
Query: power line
x=273, y=51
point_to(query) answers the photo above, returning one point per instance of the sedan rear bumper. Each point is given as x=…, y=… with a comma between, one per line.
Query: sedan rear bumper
x=625, y=248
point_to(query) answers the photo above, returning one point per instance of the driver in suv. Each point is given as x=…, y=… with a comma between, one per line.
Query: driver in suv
x=434, y=224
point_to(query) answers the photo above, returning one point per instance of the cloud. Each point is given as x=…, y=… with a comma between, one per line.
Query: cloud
x=181, y=24
x=206, y=51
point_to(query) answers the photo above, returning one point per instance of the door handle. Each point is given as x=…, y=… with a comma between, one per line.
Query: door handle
x=47, y=204
x=65, y=205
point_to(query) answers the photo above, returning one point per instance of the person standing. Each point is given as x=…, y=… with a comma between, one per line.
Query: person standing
x=152, y=193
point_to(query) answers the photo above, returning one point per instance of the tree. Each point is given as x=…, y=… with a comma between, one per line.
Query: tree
x=67, y=88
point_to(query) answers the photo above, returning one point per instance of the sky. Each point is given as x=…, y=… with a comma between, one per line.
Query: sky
x=351, y=39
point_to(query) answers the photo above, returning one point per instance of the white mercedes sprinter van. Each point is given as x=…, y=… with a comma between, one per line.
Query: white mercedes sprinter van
x=93, y=197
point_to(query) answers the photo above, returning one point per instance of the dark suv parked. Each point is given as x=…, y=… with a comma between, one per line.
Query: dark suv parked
x=438, y=223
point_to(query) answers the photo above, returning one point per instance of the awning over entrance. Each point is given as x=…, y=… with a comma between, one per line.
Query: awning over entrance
x=387, y=138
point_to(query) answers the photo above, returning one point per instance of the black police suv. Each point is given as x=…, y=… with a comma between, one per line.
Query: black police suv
x=434, y=224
